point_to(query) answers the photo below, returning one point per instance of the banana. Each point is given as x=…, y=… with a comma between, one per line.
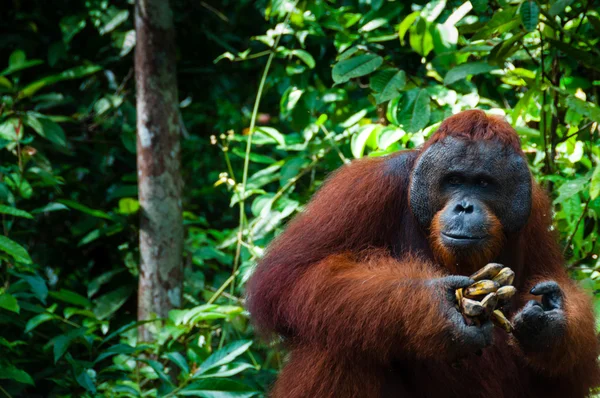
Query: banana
x=506, y=292
x=487, y=272
x=493, y=284
x=489, y=302
x=505, y=277
x=500, y=320
x=471, y=307
x=459, y=295
x=481, y=288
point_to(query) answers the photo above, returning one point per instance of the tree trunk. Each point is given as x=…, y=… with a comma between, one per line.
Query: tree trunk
x=158, y=163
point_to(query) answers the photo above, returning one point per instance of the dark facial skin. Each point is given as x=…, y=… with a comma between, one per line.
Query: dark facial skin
x=469, y=181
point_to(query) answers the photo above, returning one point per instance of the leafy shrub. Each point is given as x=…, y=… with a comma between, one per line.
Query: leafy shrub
x=347, y=79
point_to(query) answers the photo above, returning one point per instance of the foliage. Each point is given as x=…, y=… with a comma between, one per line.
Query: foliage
x=348, y=79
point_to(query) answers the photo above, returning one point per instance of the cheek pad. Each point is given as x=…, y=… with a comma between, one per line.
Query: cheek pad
x=517, y=200
x=424, y=182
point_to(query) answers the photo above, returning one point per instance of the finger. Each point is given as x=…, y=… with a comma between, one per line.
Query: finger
x=480, y=336
x=532, y=303
x=532, y=313
x=529, y=313
x=556, y=316
x=488, y=334
x=552, y=294
x=545, y=288
x=457, y=281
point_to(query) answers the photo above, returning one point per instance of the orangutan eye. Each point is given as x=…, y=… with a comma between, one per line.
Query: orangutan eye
x=454, y=180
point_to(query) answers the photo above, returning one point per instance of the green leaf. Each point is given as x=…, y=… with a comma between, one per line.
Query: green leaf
x=415, y=111
x=159, y=370
x=10, y=344
x=128, y=206
x=50, y=207
x=62, y=342
x=37, y=320
x=355, y=67
x=503, y=20
x=120, y=349
x=71, y=297
x=17, y=251
x=254, y=157
x=125, y=328
x=38, y=286
x=85, y=380
x=9, y=303
x=480, y=6
x=571, y=188
x=104, y=278
x=584, y=108
x=109, y=303
x=406, y=24
x=355, y=118
x=361, y=138
x=9, y=372
x=505, y=49
x=373, y=24
x=179, y=360
x=290, y=99
x=444, y=38
x=224, y=355
x=218, y=388
x=387, y=84
x=78, y=206
x=463, y=71
x=116, y=20
x=558, y=6
x=272, y=133
x=227, y=370
x=433, y=9
x=388, y=136
x=4, y=82
x=14, y=212
x=46, y=128
x=305, y=57
x=17, y=57
x=527, y=131
x=9, y=128
x=69, y=74
x=421, y=39
x=530, y=14
x=125, y=41
x=18, y=183
x=17, y=61
x=202, y=313
x=595, y=184
x=71, y=25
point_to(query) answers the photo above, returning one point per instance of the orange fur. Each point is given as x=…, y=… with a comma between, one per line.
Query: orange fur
x=575, y=357
x=345, y=285
x=476, y=125
x=455, y=262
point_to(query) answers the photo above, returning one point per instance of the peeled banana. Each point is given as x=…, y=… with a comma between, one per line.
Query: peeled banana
x=487, y=272
x=481, y=288
x=506, y=292
x=500, y=320
x=471, y=307
x=505, y=277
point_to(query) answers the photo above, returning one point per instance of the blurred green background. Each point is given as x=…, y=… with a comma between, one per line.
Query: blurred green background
x=348, y=78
